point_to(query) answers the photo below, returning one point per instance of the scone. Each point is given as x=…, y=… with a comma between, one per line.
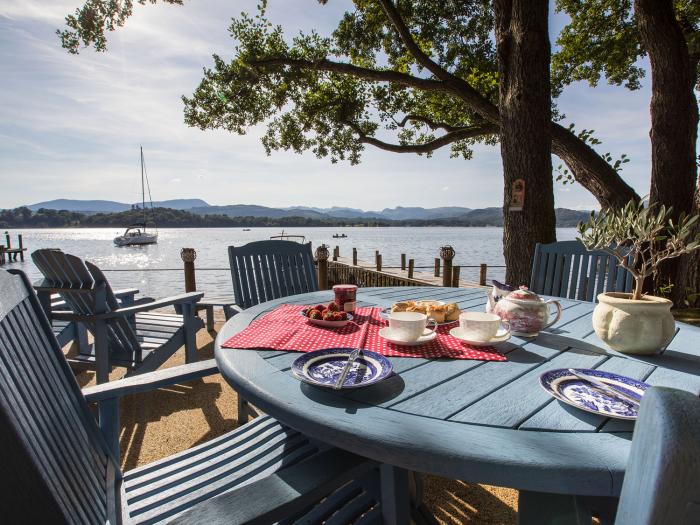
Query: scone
x=437, y=312
x=417, y=308
x=452, y=312
x=401, y=306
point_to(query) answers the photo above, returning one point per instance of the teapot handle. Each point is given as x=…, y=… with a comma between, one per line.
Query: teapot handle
x=558, y=305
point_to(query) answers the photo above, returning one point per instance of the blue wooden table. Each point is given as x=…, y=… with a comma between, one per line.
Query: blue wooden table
x=485, y=422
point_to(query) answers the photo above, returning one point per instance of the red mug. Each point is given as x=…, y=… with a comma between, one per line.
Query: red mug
x=345, y=296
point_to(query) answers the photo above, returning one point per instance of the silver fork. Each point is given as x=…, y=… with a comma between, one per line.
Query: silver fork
x=351, y=359
x=605, y=388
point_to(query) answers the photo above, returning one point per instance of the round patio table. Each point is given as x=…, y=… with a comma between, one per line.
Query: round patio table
x=478, y=421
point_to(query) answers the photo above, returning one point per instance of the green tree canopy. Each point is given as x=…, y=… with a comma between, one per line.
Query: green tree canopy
x=409, y=76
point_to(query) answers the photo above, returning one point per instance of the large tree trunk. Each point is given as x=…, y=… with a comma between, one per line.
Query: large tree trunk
x=523, y=48
x=674, y=122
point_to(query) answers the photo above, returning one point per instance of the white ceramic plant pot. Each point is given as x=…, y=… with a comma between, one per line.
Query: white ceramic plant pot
x=634, y=327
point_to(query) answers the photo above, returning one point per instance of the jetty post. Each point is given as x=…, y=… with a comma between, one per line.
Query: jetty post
x=411, y=263
x=447, y=253
x=322, y=262
x=482, y=274
x=354, y=256
x=188, y=255
x=403, y=261
x=437, y=266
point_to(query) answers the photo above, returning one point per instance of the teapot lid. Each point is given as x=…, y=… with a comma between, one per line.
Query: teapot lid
x=523, y=294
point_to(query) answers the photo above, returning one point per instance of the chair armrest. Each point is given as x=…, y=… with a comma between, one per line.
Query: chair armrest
x=126, y=292
x=281, y=494
x=191, y=297
x=150, y=381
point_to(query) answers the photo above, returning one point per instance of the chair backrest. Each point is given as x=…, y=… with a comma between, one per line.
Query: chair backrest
x=56, y=467
x=567, y=269
x=266, y=270
x=662, y=482
x=84, y=288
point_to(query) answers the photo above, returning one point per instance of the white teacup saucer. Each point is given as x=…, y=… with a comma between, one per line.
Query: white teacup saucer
x=500, y=337
x=386, y=333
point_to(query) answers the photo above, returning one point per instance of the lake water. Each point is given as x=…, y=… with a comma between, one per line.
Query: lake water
x=136, y=266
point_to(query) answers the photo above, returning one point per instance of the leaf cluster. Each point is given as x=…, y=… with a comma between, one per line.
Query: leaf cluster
x=640, y=237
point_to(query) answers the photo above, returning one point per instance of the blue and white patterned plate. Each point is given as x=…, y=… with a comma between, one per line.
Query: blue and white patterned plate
x=323, y=368
x=564, y=386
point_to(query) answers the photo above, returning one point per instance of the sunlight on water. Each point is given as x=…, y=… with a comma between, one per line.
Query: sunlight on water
x=473, y=246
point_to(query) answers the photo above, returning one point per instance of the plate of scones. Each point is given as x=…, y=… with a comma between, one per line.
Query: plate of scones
x=443, y=313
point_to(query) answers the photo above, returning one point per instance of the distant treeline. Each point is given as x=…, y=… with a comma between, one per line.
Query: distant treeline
x=168, y=218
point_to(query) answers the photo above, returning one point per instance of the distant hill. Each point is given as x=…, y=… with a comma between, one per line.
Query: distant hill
x=101, y=206
x=447, y=215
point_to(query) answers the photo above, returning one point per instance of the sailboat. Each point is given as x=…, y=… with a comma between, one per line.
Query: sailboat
x=137, y=234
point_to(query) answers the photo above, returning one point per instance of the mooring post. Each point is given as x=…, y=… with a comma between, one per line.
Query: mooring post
x=482, y=274
x=455, y=276
x=2, y=254
x=403, y=261
x=411, y=263
x=354, y=256
x=322, y=260
x=21, y=247
x=437, y=266
x=376, y=259
x=379, y=262
x=447, y=253
x=336, y=253
x=7, y=240
x=188, y=255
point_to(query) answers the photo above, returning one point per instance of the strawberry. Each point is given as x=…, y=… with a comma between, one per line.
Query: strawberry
x=320, y=307
x=337, y=316
x=305, y=311
x=315, y=314
x=333, y=307
x=343, y=316
x=328, y=316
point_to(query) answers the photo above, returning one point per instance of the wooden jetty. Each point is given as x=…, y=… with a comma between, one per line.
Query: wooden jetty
x=334, y=269
x=8, y=253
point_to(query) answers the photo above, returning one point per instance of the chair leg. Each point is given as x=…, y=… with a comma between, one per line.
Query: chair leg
x=242, y=411
x=396, y=506
x=81, y=338
x=190, y=333
x=210, y=318
x=101, y=352
x=551, y=509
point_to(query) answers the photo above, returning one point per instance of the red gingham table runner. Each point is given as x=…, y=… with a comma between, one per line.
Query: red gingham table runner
x=284, y=328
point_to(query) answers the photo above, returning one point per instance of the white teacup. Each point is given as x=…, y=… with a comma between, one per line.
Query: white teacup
x=410, y=326
x=481, y=326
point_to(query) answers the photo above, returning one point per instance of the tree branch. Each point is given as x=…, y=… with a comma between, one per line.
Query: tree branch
x=461, y=87
x=376, y=75
x=453, y=136
x=429, y=122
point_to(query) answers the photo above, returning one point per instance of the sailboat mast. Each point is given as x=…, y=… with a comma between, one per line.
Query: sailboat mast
x=143, y=193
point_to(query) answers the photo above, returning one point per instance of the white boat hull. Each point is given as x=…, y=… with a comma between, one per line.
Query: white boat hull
x=129, y=240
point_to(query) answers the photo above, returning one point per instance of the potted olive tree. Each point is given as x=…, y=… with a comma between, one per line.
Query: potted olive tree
x=640, y=238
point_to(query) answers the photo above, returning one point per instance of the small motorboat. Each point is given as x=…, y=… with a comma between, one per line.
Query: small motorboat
x=135, y=235
x=246, y=229
x=340, y=236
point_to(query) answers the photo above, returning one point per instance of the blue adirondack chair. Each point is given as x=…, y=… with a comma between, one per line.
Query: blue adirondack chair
x=266, y=270
x=662, y=482
x=134, y=337
x=567, y=269
x=58, y=466
x=68, y=331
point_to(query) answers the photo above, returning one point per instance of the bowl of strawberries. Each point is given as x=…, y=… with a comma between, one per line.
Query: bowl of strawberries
x=327, y=315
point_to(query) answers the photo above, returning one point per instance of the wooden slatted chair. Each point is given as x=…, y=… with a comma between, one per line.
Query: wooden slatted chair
x=58, y=466
x=662, y=482
x=266, y=270
x=69, y=332
x=567, y=269
x=134, y=337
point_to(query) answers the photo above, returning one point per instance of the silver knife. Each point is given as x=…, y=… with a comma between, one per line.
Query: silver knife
x=351, y=359
x=599, y=385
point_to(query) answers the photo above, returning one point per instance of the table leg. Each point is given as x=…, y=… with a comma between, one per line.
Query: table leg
x=396, y=499
x=540, y=508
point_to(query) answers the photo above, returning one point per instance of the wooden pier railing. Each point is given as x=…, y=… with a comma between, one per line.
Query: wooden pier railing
x=335, y=269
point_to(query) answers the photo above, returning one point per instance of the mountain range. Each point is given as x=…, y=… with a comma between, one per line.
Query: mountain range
x=492, y=216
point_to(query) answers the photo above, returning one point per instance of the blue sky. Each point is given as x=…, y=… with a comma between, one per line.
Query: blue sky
x=71, y=126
